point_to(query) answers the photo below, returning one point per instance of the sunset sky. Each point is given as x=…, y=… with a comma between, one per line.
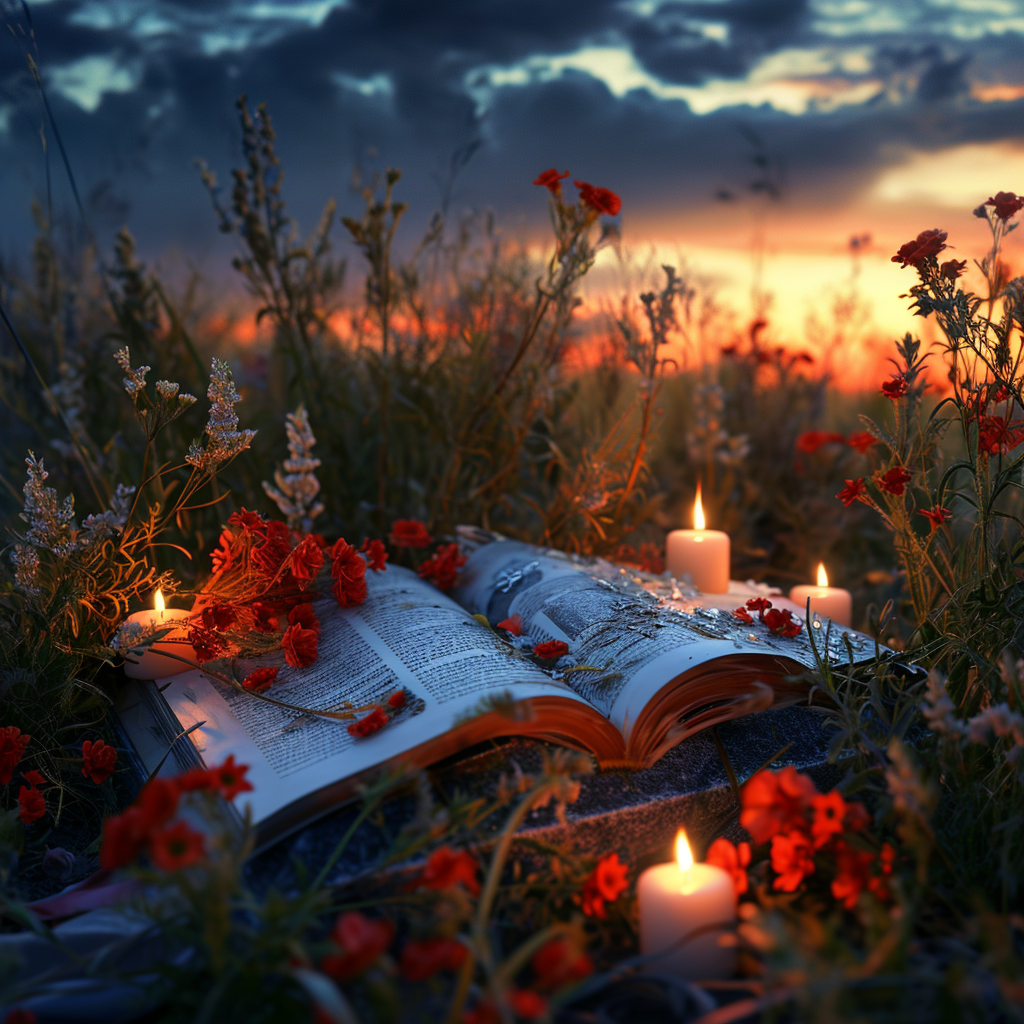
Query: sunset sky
x=878, y=117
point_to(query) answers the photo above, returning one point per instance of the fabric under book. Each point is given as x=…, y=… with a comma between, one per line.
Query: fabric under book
x=646, y=668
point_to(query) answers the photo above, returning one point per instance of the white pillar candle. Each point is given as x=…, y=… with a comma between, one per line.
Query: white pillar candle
x=154, y=664
x=677, y=899
x=702, y=554
x=829, y=602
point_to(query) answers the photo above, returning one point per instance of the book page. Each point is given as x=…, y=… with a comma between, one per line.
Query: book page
x=407, y=635
x=628, y=641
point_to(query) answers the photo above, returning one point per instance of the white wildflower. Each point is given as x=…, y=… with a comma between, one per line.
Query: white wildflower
x=51, y=521
x=223, y=438
x=938, y=707
x=136, y=379
x=297, y=486
x=106, y=524
x=167, y=388
x=26, y=569
x=998, y=721
x=910, y=793
x=131, y=637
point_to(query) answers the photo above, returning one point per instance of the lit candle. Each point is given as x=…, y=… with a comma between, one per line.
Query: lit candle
x=701, y=553
x=153, y=664
x=830, y=602
x=677, y=899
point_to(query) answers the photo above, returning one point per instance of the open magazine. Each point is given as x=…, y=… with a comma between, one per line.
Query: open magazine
x=646, y=668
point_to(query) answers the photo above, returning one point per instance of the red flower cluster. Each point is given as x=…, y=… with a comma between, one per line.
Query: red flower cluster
x=144, y=825
x=895, y=388
x=447, y=868
x=373, y=722
x=207, y=644
x=551, y=649
x=12, y=748
x=349, y=573
x=853, y=490
x=423, y=959
x=306, y=561
x=861, y=440
x=733, y=860
x=998, y=437
x=927, y=245
x=98, y=760
x=301, y=640
x=778, y=620
x=376, y=554
x=894, y=481
x=1005, y=204
x=513, y=625
x=360, y=941
x=602, y=200
x=604, y=885
x=812, y=440
x=409, y=533
x=560, y=962
x=935, y=516
x=551, y=180
x=260, y=680
x=442, y=568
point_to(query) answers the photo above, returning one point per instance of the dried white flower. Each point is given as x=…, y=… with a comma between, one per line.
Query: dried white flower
x=938, y=707
x=51, y=520
x=167, y=388
x=297, y=487
x=131, y=637
x=136, y=379
x=26, y=569
x=106, y=524
x=223, y=438
x=910, y=793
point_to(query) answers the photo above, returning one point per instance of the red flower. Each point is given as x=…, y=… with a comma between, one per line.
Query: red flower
x=349, y=572
x=300, y=646
x=250, y=522
x=927, y=244
x=896, y=387
x=34, y=778
x=894, y=481
x=513, y=625
x=98, y=760
x=559, y=962
x=935, y=516
x=221, y=556
x=276, y=547
x=304, y=616
x=124, y=838
x=260, y=680
x=551, y=649
x=604, y=885
x=602, y=200
x=176, y=847
x=397, y=699
x=264, y=619
x=952, y=269
x=759, y=605
x=442, y=569
x=230, y=778
x=1006, y=204
x=526, y=1003
x=551, y=180
x=31, y=804
x=852, y=491
x=997, y=437
x=373, y=722
x=853, y=868
x=446, y=868
x=743, y=615
x=306, y=561
x=12, y=748
x=733, y=860
x=207, y=645
x=781, y=622
x=792, y=860
x=812, y=440
x=775, y=802
x=361, y=941
x=376, y=554
x=156, y=803
x=422, y=960
x=829, y=810
x=195, y=780
x=861, y=440
x=219, y=617
x=409, y=533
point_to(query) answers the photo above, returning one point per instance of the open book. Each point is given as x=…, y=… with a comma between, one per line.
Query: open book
x=646, y=668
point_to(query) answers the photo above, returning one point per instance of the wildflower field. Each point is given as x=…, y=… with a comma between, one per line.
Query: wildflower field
x=145, y=449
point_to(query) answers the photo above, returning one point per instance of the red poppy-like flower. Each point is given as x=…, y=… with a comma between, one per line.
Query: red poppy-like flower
x=409, y=533
x=361, y=941
x=349, y=572
x=829, y=814
x=219, y=616
x=397, y=699
x=260, y=680
x=124, y=838
x=551, y=180
x=861, y=440
x=852, y=491
x=276, y=547
x=195, y=780
x=230, y=778
x=304, y=616
x=952, y=269
x=373, y=722
x=376, y=554
x=446, y=868
x=306, y=561
x=249, y=522
x=759, y=605
x=781, y=621
x=526, y=1003
x=997, y=437
x=221, y=557
x=602, y=200
x=12, y=748
x=98, y=760
x=560, y=962
x=551, y=649
x=264, y=619
x=424, y=959
x=733, y=860
x=442, y=568
x=935, y=516
x=743, y=615
x=176, y=847
x=513, y=625
x=927, y=244
x=896, y=387
x=300, y=646
x=604, y=885
x=1006, y=204
x=853, y=870
x=31, y=804
x=774, y=802
x=206, y=644
x=810, y=441
x=157, y=802
x=894, y=481
x=792, y=860
x=34, y=778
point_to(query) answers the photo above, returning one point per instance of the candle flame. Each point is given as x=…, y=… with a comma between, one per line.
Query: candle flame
x=158, y=600
x=698, y=511
x=684, y=855
x=822, y=575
